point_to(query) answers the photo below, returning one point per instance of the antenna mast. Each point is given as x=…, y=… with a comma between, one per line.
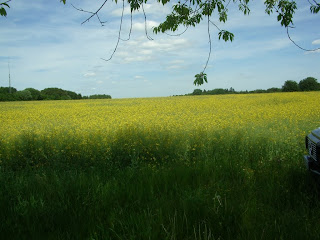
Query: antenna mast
x=9, y=75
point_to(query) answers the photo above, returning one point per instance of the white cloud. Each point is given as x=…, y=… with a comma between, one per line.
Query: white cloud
x=151, y=51
x=141, y=26
x=316, y=42
x=249, y=49
x=176, y=64
x=118, y=12
x=178, y=61
x=89, y=74
x=122, y=53
x=137, y=59
x=165, y=44
x=146, y=52
x=174, y=67
x=157, y=10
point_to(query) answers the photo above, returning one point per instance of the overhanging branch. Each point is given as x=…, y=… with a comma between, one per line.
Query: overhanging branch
x=178, y=34
x=119, y=35
x=302, y=48
x=130, y=29
x=210, y=46
x=92, y=13
x=145, y=23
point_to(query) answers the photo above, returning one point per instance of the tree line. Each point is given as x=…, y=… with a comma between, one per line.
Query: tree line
x=31, y=94
x=307, y=84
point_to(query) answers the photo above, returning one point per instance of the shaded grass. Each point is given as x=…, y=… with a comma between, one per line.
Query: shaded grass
x=161, y=186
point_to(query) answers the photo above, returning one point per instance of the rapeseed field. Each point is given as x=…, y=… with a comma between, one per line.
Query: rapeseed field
x=192, y=167
x=60, y=126
x=187, y=114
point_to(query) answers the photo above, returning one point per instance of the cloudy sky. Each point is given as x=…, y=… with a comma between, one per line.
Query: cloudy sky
x=47, y=46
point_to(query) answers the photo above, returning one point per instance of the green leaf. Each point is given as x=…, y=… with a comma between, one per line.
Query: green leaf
x=3, y=12
x=279, y=17
x=286, y=10
x=225, y=35
x=200, y=79
x=223, y=16
x=315, y=9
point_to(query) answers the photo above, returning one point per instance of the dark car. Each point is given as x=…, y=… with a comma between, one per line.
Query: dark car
x=312, y=160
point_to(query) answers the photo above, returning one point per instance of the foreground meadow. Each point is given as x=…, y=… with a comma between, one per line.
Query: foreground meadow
x=207, y=167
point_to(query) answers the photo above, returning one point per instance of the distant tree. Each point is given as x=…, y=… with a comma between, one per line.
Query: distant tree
x=74, y=95
x=65, y=97
x=52, y=93
x=231, y=90
x=259, y=91
x=24, y=95
x=273, y=89
x=243, y=92
x=36, y=94
x=309, y=84
x=59, y=94
x=197, y=92
x=290, y=86
x=6, y=90
x=100, y=96
x=217, y=91
x=7, y=97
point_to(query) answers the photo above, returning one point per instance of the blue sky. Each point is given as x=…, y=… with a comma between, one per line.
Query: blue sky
x=48, y=47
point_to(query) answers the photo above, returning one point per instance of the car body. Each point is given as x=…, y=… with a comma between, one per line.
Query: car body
x=312, y=160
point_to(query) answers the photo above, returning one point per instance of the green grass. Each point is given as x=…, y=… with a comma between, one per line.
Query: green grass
x=218, y=185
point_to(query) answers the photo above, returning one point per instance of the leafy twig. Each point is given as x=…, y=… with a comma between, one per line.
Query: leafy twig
x=3, y=11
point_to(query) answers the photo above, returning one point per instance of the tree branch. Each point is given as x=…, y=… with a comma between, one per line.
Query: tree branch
x=178, y=34
x=129, y=31
x=215, y=25
x=92, y=13
x=210, y=45
x=312, y=3
x=145, y=22
x=307, y=50
x=119, y=36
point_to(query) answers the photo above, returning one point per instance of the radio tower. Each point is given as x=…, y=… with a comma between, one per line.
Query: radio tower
x=9, y=75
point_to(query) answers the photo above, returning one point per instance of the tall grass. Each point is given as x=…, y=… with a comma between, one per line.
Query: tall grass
x=204, y=185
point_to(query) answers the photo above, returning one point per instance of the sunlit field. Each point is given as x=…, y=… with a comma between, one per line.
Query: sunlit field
x=198, y=167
